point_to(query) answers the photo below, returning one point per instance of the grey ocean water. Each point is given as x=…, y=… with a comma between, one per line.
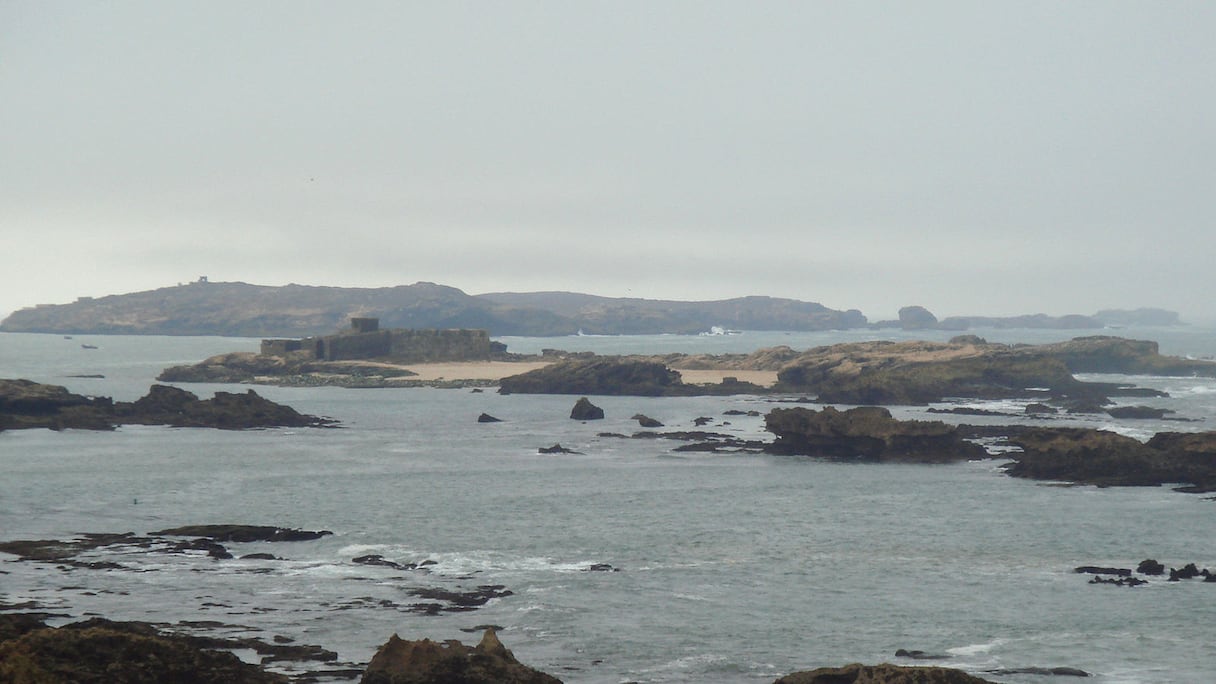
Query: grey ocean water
x=733, y=568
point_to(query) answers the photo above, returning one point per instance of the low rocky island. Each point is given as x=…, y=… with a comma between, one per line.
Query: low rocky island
x=28, y=404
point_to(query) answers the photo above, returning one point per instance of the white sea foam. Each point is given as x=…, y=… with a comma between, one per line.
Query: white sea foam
x=975, y=649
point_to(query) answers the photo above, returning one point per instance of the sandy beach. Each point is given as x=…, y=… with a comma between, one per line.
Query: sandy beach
x=497, y=370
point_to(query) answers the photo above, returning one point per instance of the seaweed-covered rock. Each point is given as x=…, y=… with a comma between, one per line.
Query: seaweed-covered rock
x=400, y=661
x=866, y=433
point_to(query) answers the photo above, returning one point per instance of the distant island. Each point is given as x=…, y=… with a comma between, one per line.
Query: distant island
x=244, y=310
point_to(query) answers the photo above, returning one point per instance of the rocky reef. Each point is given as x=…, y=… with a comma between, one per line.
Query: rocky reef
x=1104, y=458
x=866, y=433
x=881, y=674
x=28, y=404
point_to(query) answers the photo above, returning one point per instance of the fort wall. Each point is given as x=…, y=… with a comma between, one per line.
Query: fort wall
x=364, y=340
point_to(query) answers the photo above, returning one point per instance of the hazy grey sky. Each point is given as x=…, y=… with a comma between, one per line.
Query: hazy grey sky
x=971, y=157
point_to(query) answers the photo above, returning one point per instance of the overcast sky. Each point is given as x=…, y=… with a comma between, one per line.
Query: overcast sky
x=972, y=157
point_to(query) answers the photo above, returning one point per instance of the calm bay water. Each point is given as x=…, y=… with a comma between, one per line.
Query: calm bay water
x=733, y=567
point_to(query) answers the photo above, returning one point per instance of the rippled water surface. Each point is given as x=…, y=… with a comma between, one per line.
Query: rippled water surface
x=732, y=567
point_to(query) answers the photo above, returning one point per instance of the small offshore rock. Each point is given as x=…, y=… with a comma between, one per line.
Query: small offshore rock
x=646, y=421
x=1150, y=566
x=487, y=418
x=1097, y=570
x=557, y=449
x=920, y=655
x=585, y=410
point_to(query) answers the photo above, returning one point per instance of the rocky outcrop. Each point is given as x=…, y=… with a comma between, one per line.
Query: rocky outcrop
x=866, y=433
x=1103, y=458
x=26, y=404
x=881, y=674
x=584, y=410
x=916, y=318
x=922, y=372
x=247, y=367
x=401, y=661
x=602, y=376
x=617, y=376
x=1106, y=354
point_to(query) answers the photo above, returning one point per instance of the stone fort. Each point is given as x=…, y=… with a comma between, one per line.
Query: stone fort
x=365, y=340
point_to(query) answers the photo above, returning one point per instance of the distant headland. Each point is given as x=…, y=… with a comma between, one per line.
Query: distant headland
x=244, y=310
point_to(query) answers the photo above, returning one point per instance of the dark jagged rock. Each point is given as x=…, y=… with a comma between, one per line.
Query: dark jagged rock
x=376, y=559
x=244, y=533
x=1105, y=458
x=1037, y=409
x=646, y=421
x=1188, y=571
x=702, y=421
x=866, y=433
x=487, y=418
x=920, y=655
x=1098, y=570
x=1138, y=412
x=103, y=651
x=556, y=449
x=585, y=410
x=1121, y=581
x=428, y=662
x=881, y=674
x=1051, y=671
x=25, y=404
x=600, y=567
x=1150, y=566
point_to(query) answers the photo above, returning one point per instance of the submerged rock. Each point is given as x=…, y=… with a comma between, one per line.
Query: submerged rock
x=400, y=661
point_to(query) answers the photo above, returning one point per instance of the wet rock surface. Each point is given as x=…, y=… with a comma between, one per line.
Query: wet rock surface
x=99, y=650
x=401, y=661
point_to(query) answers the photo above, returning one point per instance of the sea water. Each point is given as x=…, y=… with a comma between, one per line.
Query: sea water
x=731, y=567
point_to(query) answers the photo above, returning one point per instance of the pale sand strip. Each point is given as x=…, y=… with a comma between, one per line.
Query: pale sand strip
x=471, y=370
x=497, y=370
x=713, y=377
